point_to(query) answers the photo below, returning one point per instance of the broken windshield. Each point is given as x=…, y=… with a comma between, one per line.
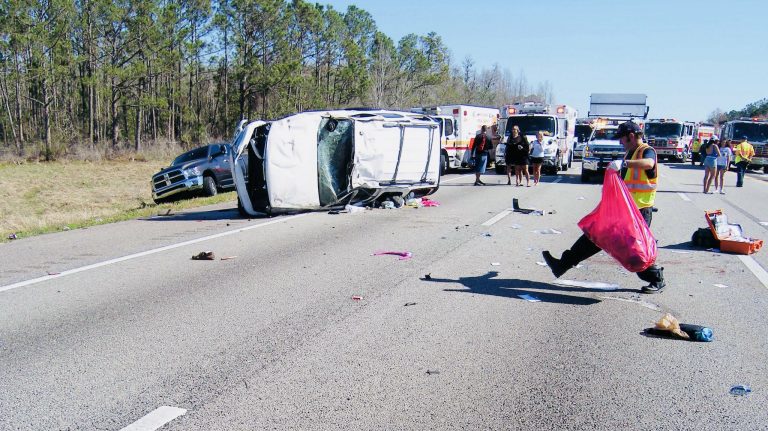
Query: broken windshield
x=335, y=147
x=663, y=130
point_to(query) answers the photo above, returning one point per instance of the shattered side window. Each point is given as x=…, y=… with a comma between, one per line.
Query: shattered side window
x=335, y=146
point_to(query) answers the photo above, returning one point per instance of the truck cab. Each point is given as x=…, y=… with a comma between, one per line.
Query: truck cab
x=557, y=123
x=672, y=139
x=602, y=148
x=754, y=130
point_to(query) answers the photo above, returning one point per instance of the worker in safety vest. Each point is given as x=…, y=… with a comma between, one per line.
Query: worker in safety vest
x=744, y=152
x=640, y=172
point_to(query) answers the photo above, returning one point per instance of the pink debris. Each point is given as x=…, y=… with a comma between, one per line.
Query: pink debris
x=426, y=202
x=404, y=255
x=357, y=298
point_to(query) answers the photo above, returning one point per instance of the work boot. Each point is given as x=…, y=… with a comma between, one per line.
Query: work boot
x=557, y=266
x=655, y=276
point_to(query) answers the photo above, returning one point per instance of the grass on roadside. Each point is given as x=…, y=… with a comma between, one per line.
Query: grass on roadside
x=38, y=198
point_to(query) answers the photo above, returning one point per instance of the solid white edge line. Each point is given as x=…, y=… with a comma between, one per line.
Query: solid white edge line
x=497, y=217
x=156, y=419
x=756, y=269
x=683, y=196
x=143, y=253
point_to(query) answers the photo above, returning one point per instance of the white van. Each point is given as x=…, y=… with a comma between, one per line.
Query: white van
x=328, y=159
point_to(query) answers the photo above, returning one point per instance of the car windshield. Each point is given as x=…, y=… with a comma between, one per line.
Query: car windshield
x=605, y=134
x=582, y=132
x=335, y=147
x=530, y=125
x=197, y=153
x=755, y=132
x=663, y=130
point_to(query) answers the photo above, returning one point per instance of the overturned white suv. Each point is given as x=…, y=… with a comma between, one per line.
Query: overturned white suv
x=328, y=159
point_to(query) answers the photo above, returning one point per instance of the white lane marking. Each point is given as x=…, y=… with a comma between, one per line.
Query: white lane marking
x=684, y=197
x=143, y=253
x=756, y=269
x=155, y=419
x=455, y=179
x=557, y=180
x=497, y=217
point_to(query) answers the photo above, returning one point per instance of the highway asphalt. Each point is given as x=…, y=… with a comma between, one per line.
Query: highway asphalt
x=100, y=328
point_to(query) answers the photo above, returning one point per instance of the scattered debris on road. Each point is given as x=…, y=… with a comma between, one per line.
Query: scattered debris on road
x=408, y=304
x=528, y=297
x=740, y=390
x=487, y=234
x=599, y=285
x=204, y=255
x=426, y=202
x=547, y=231
x=542, y=263
x=495, y=263
x=516, y=226
x=430, y=372
x=639, y=302
x=53, y=273
x=228, y=257
x=404, y=255
x=719, y=285
x=668, y=326
x=356, y=298
x=428, y=276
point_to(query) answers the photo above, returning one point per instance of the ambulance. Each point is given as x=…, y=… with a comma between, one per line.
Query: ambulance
x=672, y=139
x=701, y=133
x=460, y=124
x=558, y=123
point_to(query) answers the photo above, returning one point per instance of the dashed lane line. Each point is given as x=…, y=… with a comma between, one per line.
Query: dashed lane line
x=144, y=253
x=497, y=217
x=756, y=269
x=455, y=179
x=155, y=419
x=683, y=196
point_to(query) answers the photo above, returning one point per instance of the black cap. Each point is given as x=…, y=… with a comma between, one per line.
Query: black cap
x=627, y=128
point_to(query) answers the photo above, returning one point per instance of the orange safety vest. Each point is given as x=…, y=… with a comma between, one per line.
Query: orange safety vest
x=642, y=188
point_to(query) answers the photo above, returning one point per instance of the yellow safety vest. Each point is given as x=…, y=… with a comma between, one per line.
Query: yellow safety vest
x=642, y=188
x=746, y=149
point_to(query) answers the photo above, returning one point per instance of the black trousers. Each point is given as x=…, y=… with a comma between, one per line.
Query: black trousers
x=584, y=248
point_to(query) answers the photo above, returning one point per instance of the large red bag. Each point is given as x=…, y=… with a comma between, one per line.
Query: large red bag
x=617, y=227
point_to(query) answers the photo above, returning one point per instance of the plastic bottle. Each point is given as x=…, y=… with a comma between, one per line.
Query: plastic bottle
x=697, y=332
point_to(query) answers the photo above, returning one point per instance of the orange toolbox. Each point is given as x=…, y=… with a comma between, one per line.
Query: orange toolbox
x=730, y=235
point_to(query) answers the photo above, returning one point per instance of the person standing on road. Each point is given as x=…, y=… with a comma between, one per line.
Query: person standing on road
x=744, y=153
x=710, y=165
x=703, y=151
x=516, y=142
x=639, y=170
x=537, y=156
x=519, y=151
x=723, y=162
x=480, y=149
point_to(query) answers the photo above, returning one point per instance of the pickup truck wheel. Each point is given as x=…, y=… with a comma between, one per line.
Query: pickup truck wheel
x=209, y=186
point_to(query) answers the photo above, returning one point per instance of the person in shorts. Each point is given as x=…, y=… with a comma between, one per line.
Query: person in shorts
x=726, y=155
x=710, y=165
x=518, y=150
x=537, y=156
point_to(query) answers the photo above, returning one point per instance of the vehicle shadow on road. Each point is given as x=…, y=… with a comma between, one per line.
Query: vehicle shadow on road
x=211, y=215
x=488, y=284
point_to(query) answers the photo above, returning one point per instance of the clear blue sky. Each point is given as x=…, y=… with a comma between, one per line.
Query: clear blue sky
x=689, y=57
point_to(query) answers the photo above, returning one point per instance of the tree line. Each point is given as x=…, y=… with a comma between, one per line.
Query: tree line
x=117, y=75
x=752, y=110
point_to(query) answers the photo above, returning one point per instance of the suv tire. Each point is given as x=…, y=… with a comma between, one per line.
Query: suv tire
x=209, y=186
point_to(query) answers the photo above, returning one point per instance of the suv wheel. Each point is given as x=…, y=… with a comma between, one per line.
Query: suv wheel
x=209, y=186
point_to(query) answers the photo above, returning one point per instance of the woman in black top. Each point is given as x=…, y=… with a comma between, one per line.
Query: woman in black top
x=516, y=155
